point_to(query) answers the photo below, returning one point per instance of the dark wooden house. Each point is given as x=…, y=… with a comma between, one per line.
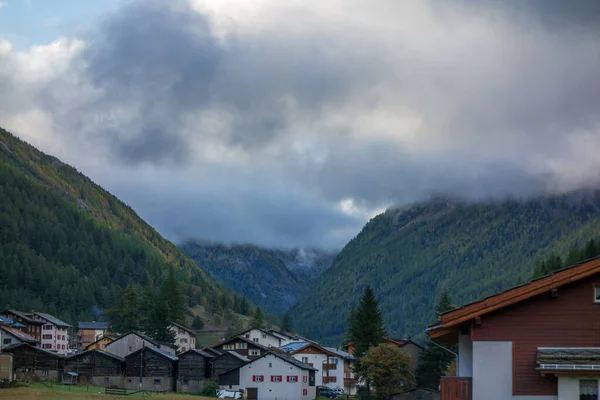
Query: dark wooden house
x=151, y=369
x=97, y=367
x=35, y=364
x=194, y=367
x=226, y=362
x=242, y=346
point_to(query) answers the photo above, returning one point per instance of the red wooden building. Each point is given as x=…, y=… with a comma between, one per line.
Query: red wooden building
x=538, y=341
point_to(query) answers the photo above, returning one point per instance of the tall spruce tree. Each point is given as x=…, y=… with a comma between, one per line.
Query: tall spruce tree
x=171, y=293
x=434, y=360
x=130, y=320
x=258, y=320
x=286, y=323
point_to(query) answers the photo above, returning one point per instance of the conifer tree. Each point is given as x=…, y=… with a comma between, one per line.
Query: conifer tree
x=257, y=320
x=173, y=296
x=244, y=306
x=365, y=324
x=286, y=323
x=130, y=313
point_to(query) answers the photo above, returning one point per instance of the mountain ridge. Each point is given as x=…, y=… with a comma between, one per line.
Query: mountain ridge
x=409, y=255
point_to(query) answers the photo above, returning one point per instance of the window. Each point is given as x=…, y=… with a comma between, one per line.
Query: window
x=588, y=389
x=292, y=379
x=304, y=392
x=46, y=346
x=46, y=336
x=6, y=341
x=47, y=327
x=106, y=382
x=183, y=349
x=130, y=350
x=63, y=346
x=258, y=378
x=157, y=381
x=45, y=372
x=264, y=335
x=255, y=352
x=597, y=294
x=275, y=378
x=255, y=340
x=305, y=360
x=247, y=336
x=305, y=379
x=64, y=337
x=241, y=345
x=229, y=347
x=270, y=365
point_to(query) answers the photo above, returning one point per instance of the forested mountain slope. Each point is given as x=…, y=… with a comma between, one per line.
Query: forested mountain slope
x=472, y=249
x=273, y=279
x=67, y=245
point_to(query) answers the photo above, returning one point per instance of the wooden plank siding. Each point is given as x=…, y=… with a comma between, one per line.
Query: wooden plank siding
x=225, y=363
x=94, y=363
x=152, y=364
x=193, y=366
x=27, y=357
x=571, y=319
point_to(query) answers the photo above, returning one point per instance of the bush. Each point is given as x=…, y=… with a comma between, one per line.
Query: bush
x=210, y=389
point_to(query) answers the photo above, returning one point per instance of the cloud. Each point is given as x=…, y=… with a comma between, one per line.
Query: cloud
x=290, y=123
x=3, y=4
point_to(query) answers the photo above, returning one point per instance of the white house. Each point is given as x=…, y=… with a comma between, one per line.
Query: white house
x=333, y=365
x=133, y=341
x=55, y=333
x=185, y=338
x=272, y=376
x=262, y=337
x=286, y=338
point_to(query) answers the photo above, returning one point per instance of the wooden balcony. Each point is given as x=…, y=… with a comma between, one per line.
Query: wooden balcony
x=349, y=379
x=456, y=388
x=329, y=367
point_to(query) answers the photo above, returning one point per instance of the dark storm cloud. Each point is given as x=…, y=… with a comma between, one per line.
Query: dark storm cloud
x=259, y=134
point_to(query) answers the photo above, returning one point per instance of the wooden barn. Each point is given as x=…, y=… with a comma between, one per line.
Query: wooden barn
x=194, y=366
x=35, y=364
x=97, y=368
x=151, y=369
x=226, y=362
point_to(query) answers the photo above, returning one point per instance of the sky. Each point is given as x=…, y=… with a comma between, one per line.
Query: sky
x=291, y=123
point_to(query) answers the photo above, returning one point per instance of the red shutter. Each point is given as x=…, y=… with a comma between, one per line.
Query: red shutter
x=288, y=378
x=304, y=392
x=253, y=378
x=296, y=378
x=272, y=378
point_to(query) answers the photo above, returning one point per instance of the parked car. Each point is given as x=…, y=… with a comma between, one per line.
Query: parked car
x=327, y=392
x=339, y=391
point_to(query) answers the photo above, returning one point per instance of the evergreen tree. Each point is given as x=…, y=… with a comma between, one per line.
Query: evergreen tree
x=365, y=324
x=245, y=307
x=197, y=323
x=434, y=360
x=172, y=295
x=591, y=250
x=257, y=320
x=286, y=323
x=131, y=311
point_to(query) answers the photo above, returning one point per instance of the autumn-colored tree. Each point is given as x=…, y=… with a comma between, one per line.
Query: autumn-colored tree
x=388, y=369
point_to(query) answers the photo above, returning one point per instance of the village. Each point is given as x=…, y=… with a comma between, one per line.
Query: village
x=506, y=346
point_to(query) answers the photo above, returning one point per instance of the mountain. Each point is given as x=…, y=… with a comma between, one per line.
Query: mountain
x=271, y=278
x=67, y=246
x=410, y=255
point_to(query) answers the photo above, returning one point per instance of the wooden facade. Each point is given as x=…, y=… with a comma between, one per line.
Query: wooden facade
x=94, y=363
x=227, y=362
x=194, y=366
x=151, y=369
x=243, y=347
x=33, y=363
x=32, y=327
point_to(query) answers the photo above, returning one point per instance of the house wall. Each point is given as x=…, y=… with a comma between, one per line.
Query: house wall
x=414, y=352
x=126, y=345
x=6, y=339
x=493, y=373
x=150, y=383
x=225, y=363
x=465, y=355
x=268, y=390
x=262, y=338
x=183, y=339
x=535, y=322
x=116, y=381
x=316, y=361
x=241, y=347
x=54, y=338
x=190, y=385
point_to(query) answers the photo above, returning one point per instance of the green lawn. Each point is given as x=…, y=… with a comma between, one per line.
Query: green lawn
x=60, y=392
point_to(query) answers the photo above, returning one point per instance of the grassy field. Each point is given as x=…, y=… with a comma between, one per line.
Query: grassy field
x=60, y=392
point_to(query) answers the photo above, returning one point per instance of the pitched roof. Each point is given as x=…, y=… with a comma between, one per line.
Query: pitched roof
x=102, y=352
x=451, y=320
x=213, y=351
x=92, y=325
x=141, y=335
x=243, y=339
x=568, y=358
x=22, y=316
x=48, y=352
x=281, y=356
x=158, y=351
x=198, y=352
x=340, y=353
x=258, y=329
x=52, y=319
x=104, y=337
x=10, y=322
x=234, y=354
x=184, y=328
x=23, y=337
x=292, y=347
x=295, y=348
